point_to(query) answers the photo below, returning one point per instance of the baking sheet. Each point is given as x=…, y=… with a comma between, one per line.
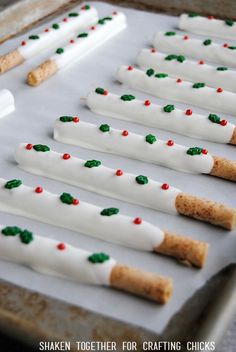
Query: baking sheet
x=32, y=122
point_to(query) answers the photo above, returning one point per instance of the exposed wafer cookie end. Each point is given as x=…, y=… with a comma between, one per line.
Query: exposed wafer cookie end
x=224, y=168
x=10, y=60
x=233, y=138
x=41, y=73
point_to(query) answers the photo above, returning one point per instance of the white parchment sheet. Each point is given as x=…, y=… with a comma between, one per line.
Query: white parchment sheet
x=32, y=122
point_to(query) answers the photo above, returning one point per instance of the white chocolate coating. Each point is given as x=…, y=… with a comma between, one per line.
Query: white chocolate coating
x=188, y=70
x=96, y=37
x=100, y=179
x=207, y=26
x=54, y=36
x=7, y=104
x=43, y=256
x=194, y=48
x=134, y=146
x=83, y=217
x=169, y=88
x=196, y=125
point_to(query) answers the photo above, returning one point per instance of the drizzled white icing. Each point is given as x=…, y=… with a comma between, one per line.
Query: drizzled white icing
x=100, y=179
x=83, y=217
x=134, y=146
x=196, y=125
x=168, y=88
x=189, y=70
x=96, y=37
x=195, y=48
x=7, y=104
x=66, y=28
x=207, y=26
x=43, y=256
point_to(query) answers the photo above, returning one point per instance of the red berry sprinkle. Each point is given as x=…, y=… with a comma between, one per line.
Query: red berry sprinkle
x=114, y=13
x=119, y=173
x=105, y=92
x=138, y=221
x=125, y=133
x=188, y=112
x=29, y=146
x=210, y=17
x=76, y=119
x=170, y=143
x=23, y=42
x=226, y=45
x=130, y=68
x=65, y=19
x=61, y=246
x=46, y=30
x=93, y=28
x=179, y=80
x=186, y=37
x=75, y=201
x=223, y=122
x=72, y=41
x=219, y=90
x=201, y=62
x=153, y=50
x=38, y=190
x=204, y=151
x=165, y=186
x=66, y=156
x=147, y=103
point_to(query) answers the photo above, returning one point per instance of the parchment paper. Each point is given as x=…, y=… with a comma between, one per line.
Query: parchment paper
x=32, y=122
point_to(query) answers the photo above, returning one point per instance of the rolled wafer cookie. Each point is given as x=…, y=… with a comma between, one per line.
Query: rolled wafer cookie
x=69, y=212
x=51, y=257
x=209, y=25
x=51, y=36
x=145, y=148
x=137, y=189
x=7, y=102
x=204, y=49
x=105, y=29
x=210, y=127
x=159, y=84
x=181, y=67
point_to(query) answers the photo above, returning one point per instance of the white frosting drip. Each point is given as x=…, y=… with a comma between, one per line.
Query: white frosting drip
x=195, y=48
x=206, y=26
x=188, y=70
x=183, y=92
x=100, y=179
x=7, y=104
x=95, y=38
x=54, y=36
x=43, y=256
x=196, y=125
x=84, y=217
x=134, y=146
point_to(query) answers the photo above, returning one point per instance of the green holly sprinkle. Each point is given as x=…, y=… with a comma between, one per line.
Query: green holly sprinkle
x=104, y=128
x=103, y=20
x=169, y=34
x=110, y=211
x=98, y=258
x=229, y=23
x=169, y=108
x=150, y=138
x=150, y=72
x=232, y=47
x=198, y=85
x=127, y=97
x=26, y=237
x=194, y=151
x=222, y=68
x=100, y=91
x=33, y=37
x=214, y=118
x=86, y=7
x=73, y=14
x=207, y=42
x=161, y=75
x=193, y=14
x=66, y=198
x=13, y=184
x=141, y=180
x=11, y=231
x=55, y=26
x=82, y=35
x=60, y=51
x=181, y=58
x=171, y=57
x=92, y=163
x=41, y=148
x=66, y=118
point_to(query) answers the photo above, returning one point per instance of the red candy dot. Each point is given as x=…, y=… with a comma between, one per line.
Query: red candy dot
x=138, y=221
x=219, y=90
x=46, y=30
x=186, y=37
x=147, y=103
x=153, y=50
x=130, y=68
x=38, y=190
x=223, y=122
x=114, y=13
x=75, y=119
x=75, y=201
x=188, y=112
x=66, y=156
x=65, y=19
x=125, y=133
x=204, y=151
x=105, y=92
x=170, y=143
x=210, y=17
x=72, y=41
x=23, y=43
x=225, y=45
x=93, y=28
x=201, y=62
x=29, y=146
x=61, y=246
x=179, y=80
x=119, y=173
x=165, y=186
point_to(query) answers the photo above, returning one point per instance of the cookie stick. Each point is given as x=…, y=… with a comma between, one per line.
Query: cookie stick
x=209, y=25
x=206, y=49
x=7, y=103
x=56, y=34
x=104, y=30
x=118, y=184
x=107, y=224
x=167, y=117
x=189, y=70
x=146, y=148
x=65, y=261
